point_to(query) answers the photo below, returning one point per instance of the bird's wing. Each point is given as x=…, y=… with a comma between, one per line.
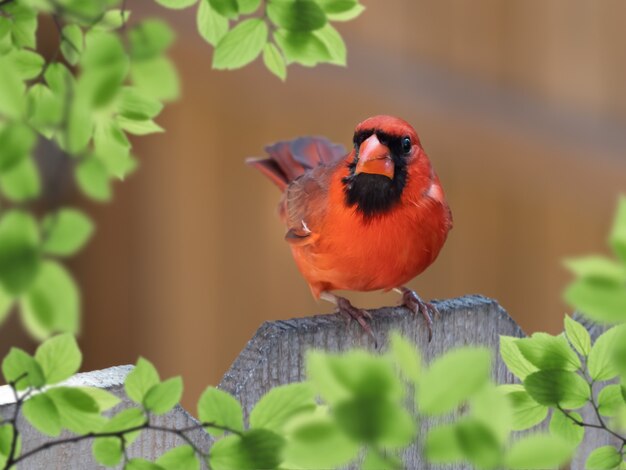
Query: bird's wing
x=304, y=205
x=290, y=159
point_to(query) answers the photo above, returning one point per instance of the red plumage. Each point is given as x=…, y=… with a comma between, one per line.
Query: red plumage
x=393, y=231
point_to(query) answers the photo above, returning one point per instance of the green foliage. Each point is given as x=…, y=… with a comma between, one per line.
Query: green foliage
x=538, y=452
x=599, y=290
x=603, y=458
x=445, y=391
x=221, y=409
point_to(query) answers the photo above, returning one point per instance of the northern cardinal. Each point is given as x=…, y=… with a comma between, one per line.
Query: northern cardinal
x=370, y=219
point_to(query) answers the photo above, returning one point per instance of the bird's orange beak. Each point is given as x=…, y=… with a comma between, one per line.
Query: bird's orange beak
x=374, y=158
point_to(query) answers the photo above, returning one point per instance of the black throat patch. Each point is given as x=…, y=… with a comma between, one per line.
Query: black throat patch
x=376, y=194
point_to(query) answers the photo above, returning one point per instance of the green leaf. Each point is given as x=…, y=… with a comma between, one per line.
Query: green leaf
x=156, y=78
x=21, y=368
x=526, y=411
x=610, y=400
x=600, y=301
x=140, y=380
x=24, y=27
x=255, y=449
x=27, y=63
x=176, y=4
x=226, y=8
x=545, y=351
x=79, y=412
x=280, y=404
x=478, y=443
x=112, y=149
x=300, y=15
x=220, y=408
x=346, y=15
x=337, y=6
x=248, y=6
x=145, y=127
x=566, y=428
x=107, y=451
x=105, y=65
x=453, y=378
x=150, y=39
x=12, y=90
x=179, y=458
x=22, y=182
x=603, y=458
x=46, y=109
x=124, y=421
x=577, y=335
x=164, y=396
x=211, y=25
x=72, y=44
x=112, y=19
x=241, y=45
x=315, y=441
x=375, y=460
x=135, y=105
x=7, y=433
x=406, y=357
x=375, y=420
x=59, y=79
x=42, y=414
x=66, y=232
x=597, y=268
x=618, y=234
x=17, y=142
x=557, y=388
x=601, y=362
x=6, y=302
x=539, y=451
x=59, y=358
x=493, y=409
x=334, y=43
x=93, y=179
x=142, y=464
x=19, y=257
x=52, y=302
x=79, y=130
x=442, y=445
x=304, y=48
x=104, y=399
x=355, y=374
x=274, y=61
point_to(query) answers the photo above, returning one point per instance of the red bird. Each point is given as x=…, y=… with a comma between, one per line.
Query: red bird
x=372, y=219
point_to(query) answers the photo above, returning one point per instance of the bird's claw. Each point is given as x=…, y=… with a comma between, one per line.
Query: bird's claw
x=415, y=304
x=349, y=312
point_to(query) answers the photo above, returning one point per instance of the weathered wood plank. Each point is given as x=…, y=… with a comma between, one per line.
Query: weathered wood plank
x=275, y=355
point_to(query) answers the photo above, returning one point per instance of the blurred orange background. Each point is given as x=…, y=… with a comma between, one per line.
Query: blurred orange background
x=521, y=106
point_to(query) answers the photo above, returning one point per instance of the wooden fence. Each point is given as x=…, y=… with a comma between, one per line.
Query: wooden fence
x=274, y=356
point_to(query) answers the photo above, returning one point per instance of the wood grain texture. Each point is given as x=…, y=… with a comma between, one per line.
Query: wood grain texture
x=275, y=355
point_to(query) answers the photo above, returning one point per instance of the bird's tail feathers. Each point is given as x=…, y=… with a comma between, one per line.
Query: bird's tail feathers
x=287, y=160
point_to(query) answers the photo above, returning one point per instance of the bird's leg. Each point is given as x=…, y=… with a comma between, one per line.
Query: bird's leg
x=415, y=304
x=350, y=312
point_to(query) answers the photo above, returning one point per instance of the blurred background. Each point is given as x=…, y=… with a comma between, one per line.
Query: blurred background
x=521, y=106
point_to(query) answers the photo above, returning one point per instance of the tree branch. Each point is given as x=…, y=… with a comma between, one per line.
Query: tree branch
x=121, y=435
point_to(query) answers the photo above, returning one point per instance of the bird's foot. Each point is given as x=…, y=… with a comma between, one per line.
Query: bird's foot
x=415, y=304
x=349, y=313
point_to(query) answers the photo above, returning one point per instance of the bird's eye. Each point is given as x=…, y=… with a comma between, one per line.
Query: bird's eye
x=406, y=144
